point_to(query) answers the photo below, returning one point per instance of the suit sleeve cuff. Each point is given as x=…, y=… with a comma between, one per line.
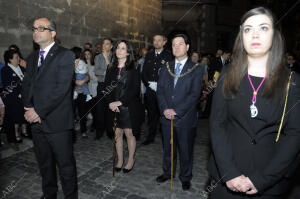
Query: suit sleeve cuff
x=40, y=114
x=258, y=181
x=230, y=175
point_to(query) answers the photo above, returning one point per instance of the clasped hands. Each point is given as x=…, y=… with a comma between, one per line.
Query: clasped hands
x=170, y=114
x=31, y=116
x=114, y=106
x=241, y=184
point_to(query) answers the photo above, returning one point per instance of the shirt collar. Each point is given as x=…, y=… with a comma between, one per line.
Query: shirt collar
x=12, y=66
x=158, y=53
x=47, y=49
x=182, y=62
x=222, y=59
x=17, y=70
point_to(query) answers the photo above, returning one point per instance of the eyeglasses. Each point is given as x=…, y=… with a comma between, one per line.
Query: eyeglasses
x=40, y=29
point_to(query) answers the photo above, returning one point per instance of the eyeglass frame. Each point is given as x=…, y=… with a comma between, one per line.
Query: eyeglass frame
x=42, y=29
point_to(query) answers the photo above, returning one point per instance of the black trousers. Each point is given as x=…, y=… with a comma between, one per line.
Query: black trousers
x=82, y=111
x=183, y=139
x=9, y=129
x=207, y=109
x=91, y=108
x=153, y=113
x=53, y=149
x=101, y=108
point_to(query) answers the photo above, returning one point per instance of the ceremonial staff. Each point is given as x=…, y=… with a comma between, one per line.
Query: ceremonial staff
x=114, y=144
x=171, y=141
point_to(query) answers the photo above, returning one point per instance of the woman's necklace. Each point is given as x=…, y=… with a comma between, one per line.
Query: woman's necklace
x=119, y=72
x=253, y=108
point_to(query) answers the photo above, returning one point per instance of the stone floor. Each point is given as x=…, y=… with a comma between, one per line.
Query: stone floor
x=20, y=179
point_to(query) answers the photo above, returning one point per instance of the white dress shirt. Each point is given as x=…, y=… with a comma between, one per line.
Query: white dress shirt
x=47, y=49
x=182, y=63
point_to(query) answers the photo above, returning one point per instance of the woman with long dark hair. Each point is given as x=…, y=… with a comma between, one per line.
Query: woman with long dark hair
x=254, y=125
x=123, y=95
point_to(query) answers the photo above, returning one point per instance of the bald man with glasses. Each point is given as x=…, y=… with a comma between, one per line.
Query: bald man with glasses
x=47, y=98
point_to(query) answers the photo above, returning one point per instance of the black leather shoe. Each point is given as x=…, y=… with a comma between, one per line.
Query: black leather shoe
x=128, y=170
x=162, y=178
x=186, y=185
x=147, y=142
x=117, y=169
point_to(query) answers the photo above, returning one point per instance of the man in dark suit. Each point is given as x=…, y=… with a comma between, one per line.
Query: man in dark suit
x=151, y=68
x=217, y=64
x=47, y=97
x=178, y=91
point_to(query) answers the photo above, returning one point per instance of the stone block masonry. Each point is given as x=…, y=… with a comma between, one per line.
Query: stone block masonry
x=80, y=21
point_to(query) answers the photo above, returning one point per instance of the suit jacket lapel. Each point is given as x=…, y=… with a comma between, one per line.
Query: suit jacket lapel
x=171, y=78
x=47, y=60
x=36, y=61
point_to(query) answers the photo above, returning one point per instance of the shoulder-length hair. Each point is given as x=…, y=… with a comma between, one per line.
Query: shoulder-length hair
x=276, y=75
x=9, y=54
x=84, y=59
x=129, y=64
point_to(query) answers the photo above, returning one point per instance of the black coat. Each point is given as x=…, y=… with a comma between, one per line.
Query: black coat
x=126, y=90
x=245, y=145
x=216, y=65
x=49, y=89
x=153, y=64
x=183, y=98
x=11, y=95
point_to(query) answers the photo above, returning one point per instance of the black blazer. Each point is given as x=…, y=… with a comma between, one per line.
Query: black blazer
x=216, y=65
x=242, y=145
x=12, y=84
x=49, y=89
x=153, y=64
x=183, y=98
x=11, y=94
x=126, y=90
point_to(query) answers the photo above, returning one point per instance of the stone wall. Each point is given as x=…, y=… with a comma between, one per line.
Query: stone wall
x=80, y=21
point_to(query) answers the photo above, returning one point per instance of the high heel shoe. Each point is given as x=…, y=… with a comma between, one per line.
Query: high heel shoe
x=128, y=170
x=117, y=169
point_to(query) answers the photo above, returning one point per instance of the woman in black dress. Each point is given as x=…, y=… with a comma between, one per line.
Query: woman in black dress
x=251, y=157
x=12, y=76
x=122, y=83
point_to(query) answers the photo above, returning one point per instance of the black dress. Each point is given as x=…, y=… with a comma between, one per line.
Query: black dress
x=124, y=85
x=242, y=145
x=123, y=118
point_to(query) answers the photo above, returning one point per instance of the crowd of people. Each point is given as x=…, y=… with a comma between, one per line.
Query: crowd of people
x=244, y=92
